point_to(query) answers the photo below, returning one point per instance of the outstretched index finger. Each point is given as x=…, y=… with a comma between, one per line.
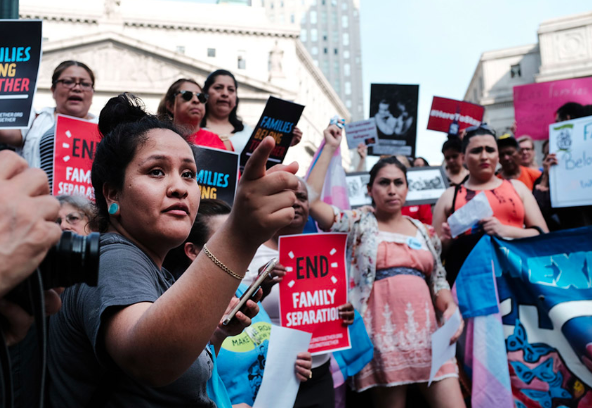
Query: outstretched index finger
x=255, y=167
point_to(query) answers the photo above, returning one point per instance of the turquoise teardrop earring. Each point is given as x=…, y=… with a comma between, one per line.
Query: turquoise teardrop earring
x=113, y=208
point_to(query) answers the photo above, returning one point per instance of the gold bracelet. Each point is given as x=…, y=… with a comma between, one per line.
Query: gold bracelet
x=221, y=265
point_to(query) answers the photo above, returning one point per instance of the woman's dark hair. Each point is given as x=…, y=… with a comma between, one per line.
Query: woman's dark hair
x=176, y=261
x=482, y=130
x=163, y=113
x=453, y=143
x=233, y=118
x=573, y=110
x=67, y=64
x=123, y=124
x=383, y=163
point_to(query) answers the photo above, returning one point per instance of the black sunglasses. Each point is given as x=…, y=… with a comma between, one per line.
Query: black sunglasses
x=472, y=130
x=188, y=95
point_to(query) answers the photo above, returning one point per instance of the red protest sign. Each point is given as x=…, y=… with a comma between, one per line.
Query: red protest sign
x=535, y=104
x=445, y=111
x=75, y=143
x=314, y=287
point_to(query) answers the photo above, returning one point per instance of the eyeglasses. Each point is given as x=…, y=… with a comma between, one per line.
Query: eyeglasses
x=473, y=130
x=70, y=84
x=188, y=95
x=72, y=219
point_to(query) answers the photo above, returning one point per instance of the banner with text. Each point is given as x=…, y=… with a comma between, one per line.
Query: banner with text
x=20, y=54
x=452, y=116
x=217, y=173
x=314, y=287
x=278, y=120
x=535, y=104
x=570, y=181
x=76, y=141
x=544, y=294
x=363, y=131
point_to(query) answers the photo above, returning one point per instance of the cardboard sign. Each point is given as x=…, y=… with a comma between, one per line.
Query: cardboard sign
x=394, y=109
x=217, y=173
x=278, y=120
x=314, y=287
x=570, y=181
x=363, y=131
x=445, y=112
x=426, y=185
x=76, y=141
x=535, y=104
x=20, y=54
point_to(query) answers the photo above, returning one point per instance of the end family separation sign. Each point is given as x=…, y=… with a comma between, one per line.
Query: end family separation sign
x=20, y=54
x=314, y=287
x=278, y=120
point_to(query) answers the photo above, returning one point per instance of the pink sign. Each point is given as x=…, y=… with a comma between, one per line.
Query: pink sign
x=535, y=104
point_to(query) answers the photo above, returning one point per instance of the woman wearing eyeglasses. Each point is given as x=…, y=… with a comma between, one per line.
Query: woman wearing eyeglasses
x=72, y=85
x=184, y=106
x=76, y=213
x=515, y=211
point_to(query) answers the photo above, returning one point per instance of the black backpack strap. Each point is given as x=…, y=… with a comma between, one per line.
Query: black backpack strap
x=456, y=189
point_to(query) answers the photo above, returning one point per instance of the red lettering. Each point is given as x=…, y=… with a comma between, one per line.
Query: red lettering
x=17, y=84
x=8, y=84
x=25, y=85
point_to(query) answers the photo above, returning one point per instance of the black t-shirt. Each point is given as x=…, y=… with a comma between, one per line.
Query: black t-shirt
x=80, y=370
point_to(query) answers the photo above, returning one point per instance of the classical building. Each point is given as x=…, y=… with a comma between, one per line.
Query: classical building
x=330, y=31
x=563, y=51
x=143, y=46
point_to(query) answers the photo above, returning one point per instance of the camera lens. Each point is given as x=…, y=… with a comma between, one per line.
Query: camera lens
x=74, y=259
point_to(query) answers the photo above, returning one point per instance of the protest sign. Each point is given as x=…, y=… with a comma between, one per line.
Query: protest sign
x=452, y=116
x=314, y=287
x=426, y=185
x=537, y=292
x=394, y=109
x=363, y=131
x=278, y=120
x=76, y=141
x=570, y=181
x=217, y=173
x=357, y=190
x=20, y=54
x=535, y=104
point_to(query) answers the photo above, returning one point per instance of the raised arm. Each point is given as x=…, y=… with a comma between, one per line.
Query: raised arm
x=157, y=342
x=320, y=211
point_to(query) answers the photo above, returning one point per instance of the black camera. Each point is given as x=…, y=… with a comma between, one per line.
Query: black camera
x=74, y=259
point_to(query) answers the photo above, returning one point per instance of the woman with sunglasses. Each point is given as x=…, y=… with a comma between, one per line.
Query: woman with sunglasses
x=72, y=85
x=76, y=214
x=184, y=106
x=515, y=211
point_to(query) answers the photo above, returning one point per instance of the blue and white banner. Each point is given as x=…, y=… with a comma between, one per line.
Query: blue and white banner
x=544, y=287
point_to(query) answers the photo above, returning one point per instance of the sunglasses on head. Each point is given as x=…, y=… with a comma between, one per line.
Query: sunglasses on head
x=188, y=95
x=483, y=127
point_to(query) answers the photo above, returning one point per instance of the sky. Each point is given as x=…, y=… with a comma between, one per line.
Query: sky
x=437, y=44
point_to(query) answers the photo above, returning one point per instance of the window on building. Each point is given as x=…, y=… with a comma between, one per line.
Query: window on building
x=314, y=50
x=334, y=18
x=325, y=67
x=348, y=88
x=334, y=3
x=211, y=52
x=323, y=17
x=242, y=60
x=325, y=50
x=303, y=18
x=336, y=68
x=316, y=62
x=282, y=18
x=348, y=104
x=515, y=71
x=359, y=108
x=344, y=21
x=271, y=5
x=358, y=60
x=292, y=18
x=345, y=53
x=344, y=5
x=323, y=2
x=325, y=37
x=346, y=69
x=180, y=49
x=282, y=3
x=313, y=17
x=313, y=2
x=262, y=3
x=313, y=34
x=355, y=13
x=337, y=85
x=345, y=38
x=335, y=36
x=336, y=51
x=303, y=34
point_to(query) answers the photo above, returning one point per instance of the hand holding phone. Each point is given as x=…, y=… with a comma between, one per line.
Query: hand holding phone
x=251, y=290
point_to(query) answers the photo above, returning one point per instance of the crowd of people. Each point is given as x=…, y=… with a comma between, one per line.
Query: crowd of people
x=172, y=265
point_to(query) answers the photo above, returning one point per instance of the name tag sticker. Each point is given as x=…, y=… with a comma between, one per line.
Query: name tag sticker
x=413, y=243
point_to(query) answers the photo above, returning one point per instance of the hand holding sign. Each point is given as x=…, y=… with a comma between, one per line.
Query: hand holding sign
x=264, y=198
